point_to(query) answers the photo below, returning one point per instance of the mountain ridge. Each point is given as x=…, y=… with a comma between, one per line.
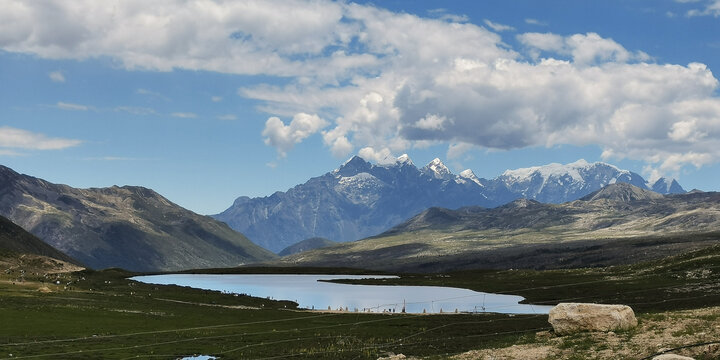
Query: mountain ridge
x=361, y=199
x=607, y=227
x=131, y=227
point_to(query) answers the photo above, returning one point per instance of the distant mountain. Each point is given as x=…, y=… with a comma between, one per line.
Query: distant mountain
x=305, y=245
x=357, y=200
x=130, y=227
x=620, y=223
x=667, y=186
x=16, y=240
x=360, y=199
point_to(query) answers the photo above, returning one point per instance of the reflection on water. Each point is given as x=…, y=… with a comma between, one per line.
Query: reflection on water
x=310, y=293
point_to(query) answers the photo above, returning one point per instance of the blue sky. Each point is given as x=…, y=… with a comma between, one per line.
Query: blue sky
x=205, y=101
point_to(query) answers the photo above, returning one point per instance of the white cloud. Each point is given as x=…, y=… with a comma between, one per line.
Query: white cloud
x=377, y=75
x=712, y=8
x=184, y=115
x=584, y=49
x=57, y=76
x=70, y=106
x=216, y=98
x=498, y=27
x=284, y=137
x=531, y=21
x=431, y=122
x=381, y=156
x=13, y=138
x=442, y=14
x=457, y=150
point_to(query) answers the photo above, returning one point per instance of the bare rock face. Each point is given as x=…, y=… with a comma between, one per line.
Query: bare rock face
x=569, y=318
x=671, y=357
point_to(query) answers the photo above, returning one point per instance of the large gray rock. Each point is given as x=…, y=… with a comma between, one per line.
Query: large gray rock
x=570, y=318
x=671, y=357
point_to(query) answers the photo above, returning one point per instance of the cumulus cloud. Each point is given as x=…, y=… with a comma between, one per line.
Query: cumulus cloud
x=13, y=138
x=391, y=81
x=584, y=49
x=284, y=137
x=57, y=76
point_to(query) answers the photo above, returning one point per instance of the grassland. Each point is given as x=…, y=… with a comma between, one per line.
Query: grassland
x=102, y=315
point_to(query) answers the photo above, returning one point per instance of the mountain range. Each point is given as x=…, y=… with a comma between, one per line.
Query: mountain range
x=360, y=199
x=618, y=224
x=130, y=227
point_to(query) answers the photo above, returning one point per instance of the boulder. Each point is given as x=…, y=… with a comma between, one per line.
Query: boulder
x=671, y=357
x=569, y=318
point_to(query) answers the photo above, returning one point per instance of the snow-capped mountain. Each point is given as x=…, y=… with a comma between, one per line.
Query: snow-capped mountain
x=356, y=200
x=667, y=186
x=360, y=199
x=556, y=183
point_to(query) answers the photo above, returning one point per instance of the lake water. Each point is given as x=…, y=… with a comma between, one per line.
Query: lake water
x=310, y=293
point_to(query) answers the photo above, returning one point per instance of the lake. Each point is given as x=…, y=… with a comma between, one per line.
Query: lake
x=312, y=293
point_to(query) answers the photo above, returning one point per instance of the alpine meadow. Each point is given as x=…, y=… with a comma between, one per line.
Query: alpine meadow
x=348, y=179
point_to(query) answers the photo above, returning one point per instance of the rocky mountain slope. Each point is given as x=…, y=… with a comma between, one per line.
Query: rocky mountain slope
x=360, y=199
x=617, y=224
x=15, y=241
x=357, y=200
x=130, y=227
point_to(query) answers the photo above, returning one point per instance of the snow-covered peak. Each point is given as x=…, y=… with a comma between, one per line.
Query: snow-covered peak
x=404, y=159
x=390, y=161
x=438, y=169
x=665, y=185
x=555, y=170
x=353, y=165
x=470, y=175
x=353, y=159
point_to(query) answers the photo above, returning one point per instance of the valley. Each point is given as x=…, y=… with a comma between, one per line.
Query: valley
x=102, y=314
x=619, y=244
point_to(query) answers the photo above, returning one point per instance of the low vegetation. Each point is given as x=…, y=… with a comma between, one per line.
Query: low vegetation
x=102, y=314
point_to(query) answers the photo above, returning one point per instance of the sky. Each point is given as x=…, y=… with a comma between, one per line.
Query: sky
x=204, y=101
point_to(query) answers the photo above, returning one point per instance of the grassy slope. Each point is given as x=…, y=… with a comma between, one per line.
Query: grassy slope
x=527, y=234
x=103, y=315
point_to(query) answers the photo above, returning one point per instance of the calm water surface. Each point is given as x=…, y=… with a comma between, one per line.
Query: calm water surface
x=310, y=293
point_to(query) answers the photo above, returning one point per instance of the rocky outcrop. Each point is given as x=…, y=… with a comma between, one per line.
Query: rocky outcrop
x=570, y=318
